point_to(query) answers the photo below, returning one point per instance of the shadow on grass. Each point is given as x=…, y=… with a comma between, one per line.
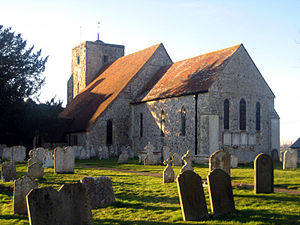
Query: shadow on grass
x=14, y=217
x=6, y=190
x=268, y=197
x=127, y=205
x=132, y=222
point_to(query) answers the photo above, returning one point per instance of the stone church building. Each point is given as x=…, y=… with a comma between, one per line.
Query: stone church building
x=218, y=100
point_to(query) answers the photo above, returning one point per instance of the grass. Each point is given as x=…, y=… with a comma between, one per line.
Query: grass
x=145, y=200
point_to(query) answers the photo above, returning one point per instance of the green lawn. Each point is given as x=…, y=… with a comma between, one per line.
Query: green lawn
x=145, y=200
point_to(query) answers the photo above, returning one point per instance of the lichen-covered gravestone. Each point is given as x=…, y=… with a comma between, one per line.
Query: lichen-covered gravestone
x=8, y=171
x=168, y=175
x=191, y=196
x=64, y=160
x=220, y=192
x=19, y=153
x=48, y=159
x=263, y=174
x=33, y=154
x=123, y=157
x=70, y=205
x=36, y=170
x=188, y=160
x=234, y=161
x=100, y=190
x=290, y=159
x=220, y=160
x=22, y=186
x=150, y=158
x=176, y=160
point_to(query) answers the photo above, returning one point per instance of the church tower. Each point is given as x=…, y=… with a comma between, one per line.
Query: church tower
x=88, y=59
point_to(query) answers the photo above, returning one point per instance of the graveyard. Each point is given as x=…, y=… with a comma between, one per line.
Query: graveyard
x=142, y=198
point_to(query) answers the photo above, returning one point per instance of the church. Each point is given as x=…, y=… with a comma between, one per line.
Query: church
x=217, y=100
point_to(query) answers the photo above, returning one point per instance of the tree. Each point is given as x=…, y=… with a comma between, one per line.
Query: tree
x=20, y=68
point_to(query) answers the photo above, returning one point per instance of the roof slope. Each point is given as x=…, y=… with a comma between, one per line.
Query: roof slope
x=296, y=144
x=86, y=107
x=186, y=77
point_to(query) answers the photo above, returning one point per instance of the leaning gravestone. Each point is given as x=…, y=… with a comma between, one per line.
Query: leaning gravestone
x=22, y=187
x=191, y=196
x=188, y=160
x=263, y=174
x=100, y=190
x=64, y=160
x=220, y=160
x=290, y=159
x=8, y=171
x=176, y=160
x=48, y=159
x=220, y=192
x=234, y=161
x=70, y=205
x=150, y=158
x=168, y=175
x=123, y=157
x=36, y=170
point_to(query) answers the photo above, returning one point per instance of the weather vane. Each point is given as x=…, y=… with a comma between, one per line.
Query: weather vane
x=98, y=28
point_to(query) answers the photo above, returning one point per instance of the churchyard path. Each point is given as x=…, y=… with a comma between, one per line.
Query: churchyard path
x=234, y=184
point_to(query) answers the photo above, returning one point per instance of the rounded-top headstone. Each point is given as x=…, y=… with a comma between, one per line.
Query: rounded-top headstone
x=263, y=174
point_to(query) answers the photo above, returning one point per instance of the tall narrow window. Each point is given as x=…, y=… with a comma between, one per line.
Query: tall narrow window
x=77, y=88
x=105, y=59
x=162, y=123
x=226, y=114
x=257, y=116
x=242, y=114
x=183, y=115
x=141, y=125
x=109, y=132
x=78, y=60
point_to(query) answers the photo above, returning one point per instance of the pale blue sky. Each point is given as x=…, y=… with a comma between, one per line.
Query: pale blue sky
x=268, y=29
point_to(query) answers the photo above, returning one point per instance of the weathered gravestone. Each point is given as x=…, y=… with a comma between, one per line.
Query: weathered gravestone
x=176, y=160
x=191, y=196
x=22, y=186
x=6, y=153
x=48, y=159
x=37, y=153
x=18, y=153
x=8, y=171
x=290, y=159
x=100, y=190
x=234, y=161
x=36, y=170
x=263, y=174
x=68, y=206
x=33, y=154
x=84, y=153
x=275, y=155
x=64, y=160
x=123, y=157
x=102, y=152
x=220, y=160
x=1, y=150
x=220, y=192
x=150, y=158
x=168, y=175
x=187, y=158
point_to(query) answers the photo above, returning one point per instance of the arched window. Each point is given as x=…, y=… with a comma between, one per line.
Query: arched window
x=242, y=114
x=109, y=132
x=141, y=125
x=162, y=123
x=183, y=115
x=226, y=114
x=257, y=114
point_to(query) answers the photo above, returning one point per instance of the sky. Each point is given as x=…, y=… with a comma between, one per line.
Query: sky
x=269, y=30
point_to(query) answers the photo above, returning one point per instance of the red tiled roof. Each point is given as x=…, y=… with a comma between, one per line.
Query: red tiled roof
x=189, y=76
x=86, y=107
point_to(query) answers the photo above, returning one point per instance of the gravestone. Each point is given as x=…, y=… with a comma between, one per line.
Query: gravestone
x=187, y=158
x=77, y=150
x=275, y=155
x=48, y=159
x=123, y=157
x=38, y=153
x=191, y=196
x=290, y=159
x=33, y=154
x=84, y=153
x=19, y=153
x=22, y=187
x=8, y=171
x=176, y=160
x=70, y=205
x=36, y=170
x=220, y=192
x=102, y=152
x=100, y=190
x=220, y=160
x=234, y=161
x=166, y=153
x=1, y=150
x=168, y=175
x=64, y=160
x=263, y=174
x=150, y=159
